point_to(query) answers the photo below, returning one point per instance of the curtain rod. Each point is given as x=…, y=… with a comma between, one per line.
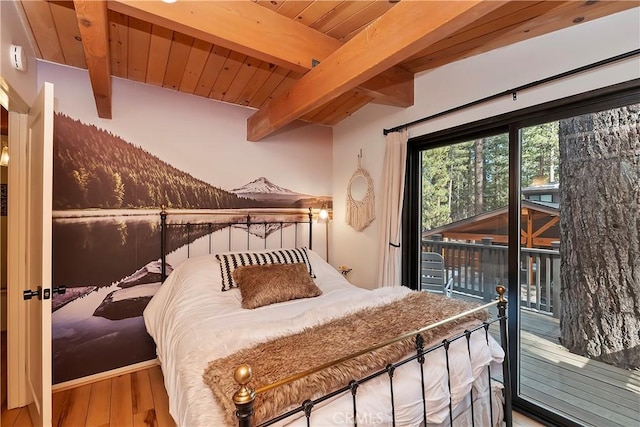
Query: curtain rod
x=514, y=91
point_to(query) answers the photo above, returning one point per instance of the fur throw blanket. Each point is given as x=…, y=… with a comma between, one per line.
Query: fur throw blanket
x=280, y=358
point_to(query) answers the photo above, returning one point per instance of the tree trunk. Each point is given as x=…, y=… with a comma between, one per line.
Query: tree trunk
x=479, y=171
x=599, y=223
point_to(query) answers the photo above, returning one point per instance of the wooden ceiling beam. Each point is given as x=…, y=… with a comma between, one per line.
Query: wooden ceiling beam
x=93, y=25
x=391, y=87
x=404, y=30
x=241, y=26
x=281, y=41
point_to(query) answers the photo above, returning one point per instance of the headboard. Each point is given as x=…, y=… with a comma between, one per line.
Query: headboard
x=278, y=228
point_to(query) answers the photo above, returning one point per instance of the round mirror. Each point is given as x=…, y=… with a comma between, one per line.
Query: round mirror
x=358, y=187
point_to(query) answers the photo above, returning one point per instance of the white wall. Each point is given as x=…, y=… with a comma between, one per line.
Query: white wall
x=12, y=32
x=465, y=81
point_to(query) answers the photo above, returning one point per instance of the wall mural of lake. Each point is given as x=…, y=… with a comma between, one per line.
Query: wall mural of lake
x=106, y=241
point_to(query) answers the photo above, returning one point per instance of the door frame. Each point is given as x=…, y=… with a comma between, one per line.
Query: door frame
x=16, y=264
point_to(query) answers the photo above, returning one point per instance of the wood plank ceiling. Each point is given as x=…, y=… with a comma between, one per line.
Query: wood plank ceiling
x=317, y=61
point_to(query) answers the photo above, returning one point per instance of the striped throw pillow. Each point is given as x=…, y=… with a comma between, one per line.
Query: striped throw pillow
x=230, y=261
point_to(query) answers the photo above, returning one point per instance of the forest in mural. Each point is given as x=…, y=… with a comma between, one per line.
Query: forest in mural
x=106, y=241
x=96, y=169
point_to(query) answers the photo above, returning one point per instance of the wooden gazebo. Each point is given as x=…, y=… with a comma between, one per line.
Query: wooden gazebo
x=538, y=221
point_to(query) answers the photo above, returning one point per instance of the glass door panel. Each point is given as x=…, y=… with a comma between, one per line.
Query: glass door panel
x=464, y=217
x=579, y=344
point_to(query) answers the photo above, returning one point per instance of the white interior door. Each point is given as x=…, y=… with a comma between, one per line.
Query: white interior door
x=39, y=162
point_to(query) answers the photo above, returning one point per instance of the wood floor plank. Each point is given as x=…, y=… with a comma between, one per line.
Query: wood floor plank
x=99, y=404
x=78, y=405
x=24, y=419
x=566, y=405
x=60, y=402
x=160, y=398
x=596, y=370
x=587, y=373
x=121, y=407
x=8, y=418
x=595, y=401
x=141, y=395
x=550, y=372
x=145, y=419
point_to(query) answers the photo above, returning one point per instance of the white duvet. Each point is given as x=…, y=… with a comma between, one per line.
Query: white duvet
x=193, y=322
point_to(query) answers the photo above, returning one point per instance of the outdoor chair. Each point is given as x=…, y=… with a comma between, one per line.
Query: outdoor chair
x=433, y=277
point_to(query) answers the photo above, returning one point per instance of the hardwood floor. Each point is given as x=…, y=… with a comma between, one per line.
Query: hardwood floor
x=136, y=399
x=520, y=420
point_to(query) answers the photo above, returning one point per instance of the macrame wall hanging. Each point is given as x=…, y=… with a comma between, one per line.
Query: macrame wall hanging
x=361, y=209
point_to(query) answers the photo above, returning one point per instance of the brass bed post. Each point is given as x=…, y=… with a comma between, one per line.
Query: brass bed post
x=163, y=234
x=506, y=372
x=244, y=397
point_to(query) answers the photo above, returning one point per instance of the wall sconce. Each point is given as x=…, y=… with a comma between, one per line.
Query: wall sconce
x=4, y=157
x=323, y=215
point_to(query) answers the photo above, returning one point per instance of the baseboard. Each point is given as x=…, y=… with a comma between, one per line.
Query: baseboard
x=103, y=375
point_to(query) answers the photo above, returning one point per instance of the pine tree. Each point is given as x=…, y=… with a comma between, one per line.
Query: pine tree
x=600, y=227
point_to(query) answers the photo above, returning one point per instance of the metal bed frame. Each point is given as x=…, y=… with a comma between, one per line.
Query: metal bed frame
x=244, y=398
x=228, y=219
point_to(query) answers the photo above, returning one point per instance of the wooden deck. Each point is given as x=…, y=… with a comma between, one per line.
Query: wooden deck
x=591, y=393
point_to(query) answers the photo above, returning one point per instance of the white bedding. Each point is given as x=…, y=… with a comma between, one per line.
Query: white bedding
x=193, y=322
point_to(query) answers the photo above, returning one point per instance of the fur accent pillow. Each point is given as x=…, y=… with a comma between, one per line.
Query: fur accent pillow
x=230, y=261
x=272, y=283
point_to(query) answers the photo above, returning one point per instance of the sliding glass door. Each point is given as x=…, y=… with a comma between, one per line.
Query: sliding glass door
x=546, y=202
x=579, y=348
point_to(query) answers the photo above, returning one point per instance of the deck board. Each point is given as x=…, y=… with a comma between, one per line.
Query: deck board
x=590, y=392
x=608, y=396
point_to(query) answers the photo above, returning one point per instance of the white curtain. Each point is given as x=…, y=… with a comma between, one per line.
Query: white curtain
x=389, y=268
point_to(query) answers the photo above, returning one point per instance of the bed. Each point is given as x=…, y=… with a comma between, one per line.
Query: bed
x=202, y=332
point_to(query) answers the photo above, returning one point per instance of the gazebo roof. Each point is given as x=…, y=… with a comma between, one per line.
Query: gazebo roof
x=538, y=222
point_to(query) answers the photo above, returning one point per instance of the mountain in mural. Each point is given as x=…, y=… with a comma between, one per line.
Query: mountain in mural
x=96, y=169
x=265, y=191
x=260, y=187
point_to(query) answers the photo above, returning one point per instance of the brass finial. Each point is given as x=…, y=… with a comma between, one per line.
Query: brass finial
x=163, y=209
x=243, y=375
x=501, y=291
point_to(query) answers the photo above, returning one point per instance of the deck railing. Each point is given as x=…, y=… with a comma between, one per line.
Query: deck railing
x=476, y=269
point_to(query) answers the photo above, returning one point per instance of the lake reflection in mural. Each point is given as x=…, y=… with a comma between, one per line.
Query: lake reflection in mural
x=101, y=250
x=110, y=263
x=91, y=257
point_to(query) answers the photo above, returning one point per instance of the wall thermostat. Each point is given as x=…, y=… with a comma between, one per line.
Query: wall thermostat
x=18, y=58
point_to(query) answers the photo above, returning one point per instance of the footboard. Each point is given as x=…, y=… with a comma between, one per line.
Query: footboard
x=244, y=398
